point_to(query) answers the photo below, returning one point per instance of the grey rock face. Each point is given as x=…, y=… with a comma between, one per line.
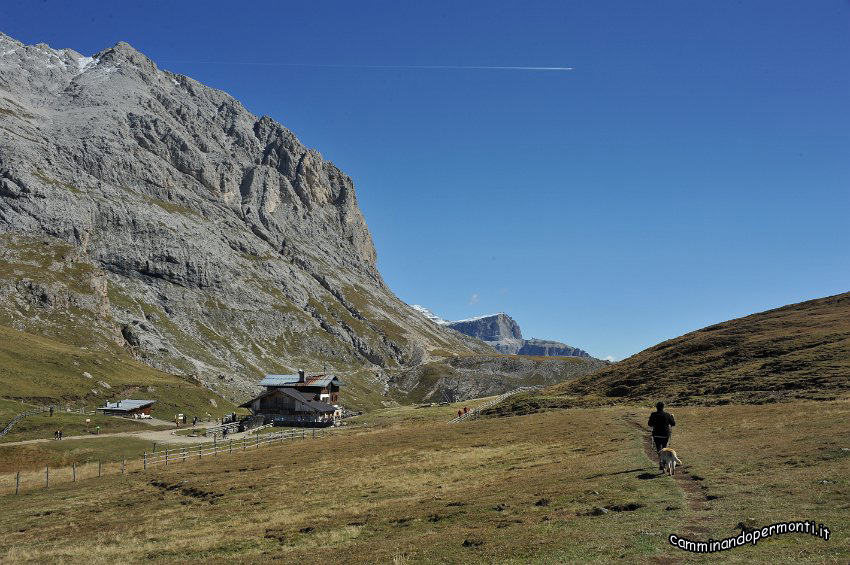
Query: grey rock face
x=498, y=330
x=159, y=214
x=502, y=332
x=550, y=348
x=489, y=328
x=463, y=377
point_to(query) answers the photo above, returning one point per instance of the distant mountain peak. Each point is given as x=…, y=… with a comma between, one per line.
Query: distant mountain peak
x=430, y=315
x=503, y=333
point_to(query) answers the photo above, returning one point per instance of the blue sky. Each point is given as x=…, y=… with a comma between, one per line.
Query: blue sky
x=694, y=167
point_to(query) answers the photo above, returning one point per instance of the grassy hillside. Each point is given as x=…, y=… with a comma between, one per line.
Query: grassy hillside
x=566, y=486
x=43, y=425
x=797, y=351
x=475, y=375
x=41, y=370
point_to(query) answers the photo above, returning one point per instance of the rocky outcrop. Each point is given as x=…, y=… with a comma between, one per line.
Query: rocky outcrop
x=548, y=348
x=462, y=377
x=503, y=333
x=159, y=214
x=498, y=330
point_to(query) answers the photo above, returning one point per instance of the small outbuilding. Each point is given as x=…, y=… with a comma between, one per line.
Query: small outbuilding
x=129, y=408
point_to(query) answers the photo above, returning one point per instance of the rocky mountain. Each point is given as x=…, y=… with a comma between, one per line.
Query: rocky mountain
x=430, y=315
x=797, y=351
x=460, y=377
x=503, y=333
x=142, y=211
x=497, y=330
x=548, y=348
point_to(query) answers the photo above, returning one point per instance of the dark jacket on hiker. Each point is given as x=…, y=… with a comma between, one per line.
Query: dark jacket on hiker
x=661, y=422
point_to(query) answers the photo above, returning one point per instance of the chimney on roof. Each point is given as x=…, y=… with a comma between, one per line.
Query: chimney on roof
x=300, y=375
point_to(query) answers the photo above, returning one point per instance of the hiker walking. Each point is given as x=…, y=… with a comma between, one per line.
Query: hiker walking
x=56, y=434
x=661, y=422
x=60, y=434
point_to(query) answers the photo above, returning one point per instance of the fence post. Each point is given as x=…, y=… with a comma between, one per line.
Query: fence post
x=17, y=482
x=123, y=463
x=303, y=433
x=314, y=433
x=74, y=472
x=244, y=442
x=231, y=445
x=200, y=450
x=145, y=463
x=166, y=457
x=258, y=439
x=47, y=476
x=184, y=454
x=215, y=446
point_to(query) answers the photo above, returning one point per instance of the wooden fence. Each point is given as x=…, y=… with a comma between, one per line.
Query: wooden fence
x=475, y=412
x=231, y=428
x=258, y=428
x=45, y=478
x=38, y=410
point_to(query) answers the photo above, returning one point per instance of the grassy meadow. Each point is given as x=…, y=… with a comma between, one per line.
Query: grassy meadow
x=40, y=370
x=402, y=486
x=43, y=425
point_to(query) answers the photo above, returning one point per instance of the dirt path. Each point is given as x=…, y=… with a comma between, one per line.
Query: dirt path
x=693, y=486
x=159, y=436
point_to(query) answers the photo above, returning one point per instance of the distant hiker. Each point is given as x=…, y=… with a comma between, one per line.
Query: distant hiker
x=466, y=409
x=661, y=422
x=56, y=434
x=60, y=434
x=51, y=410
x=97, y=430
x=459, y=413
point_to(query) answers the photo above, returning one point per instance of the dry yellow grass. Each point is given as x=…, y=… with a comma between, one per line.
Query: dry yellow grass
x=408, y=488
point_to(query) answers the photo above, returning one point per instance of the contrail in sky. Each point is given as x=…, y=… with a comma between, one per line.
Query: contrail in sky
x=339, y=66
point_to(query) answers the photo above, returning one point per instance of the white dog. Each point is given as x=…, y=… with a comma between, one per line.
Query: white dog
x=668, y=459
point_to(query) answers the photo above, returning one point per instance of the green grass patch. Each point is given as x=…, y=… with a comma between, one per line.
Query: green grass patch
x=43, y=370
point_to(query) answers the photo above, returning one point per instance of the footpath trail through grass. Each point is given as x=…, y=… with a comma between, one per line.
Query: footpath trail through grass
x=563, y=486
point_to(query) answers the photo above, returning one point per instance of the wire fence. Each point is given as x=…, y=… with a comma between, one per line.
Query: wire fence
x=22, y=481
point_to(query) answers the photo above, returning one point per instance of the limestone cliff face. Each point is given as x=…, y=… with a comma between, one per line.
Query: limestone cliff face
x=549, y=348
x=503, y=333
x=496, y=328
x=179, y=225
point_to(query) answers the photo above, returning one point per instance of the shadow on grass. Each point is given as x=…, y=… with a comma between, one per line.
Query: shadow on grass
x=613, y=474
